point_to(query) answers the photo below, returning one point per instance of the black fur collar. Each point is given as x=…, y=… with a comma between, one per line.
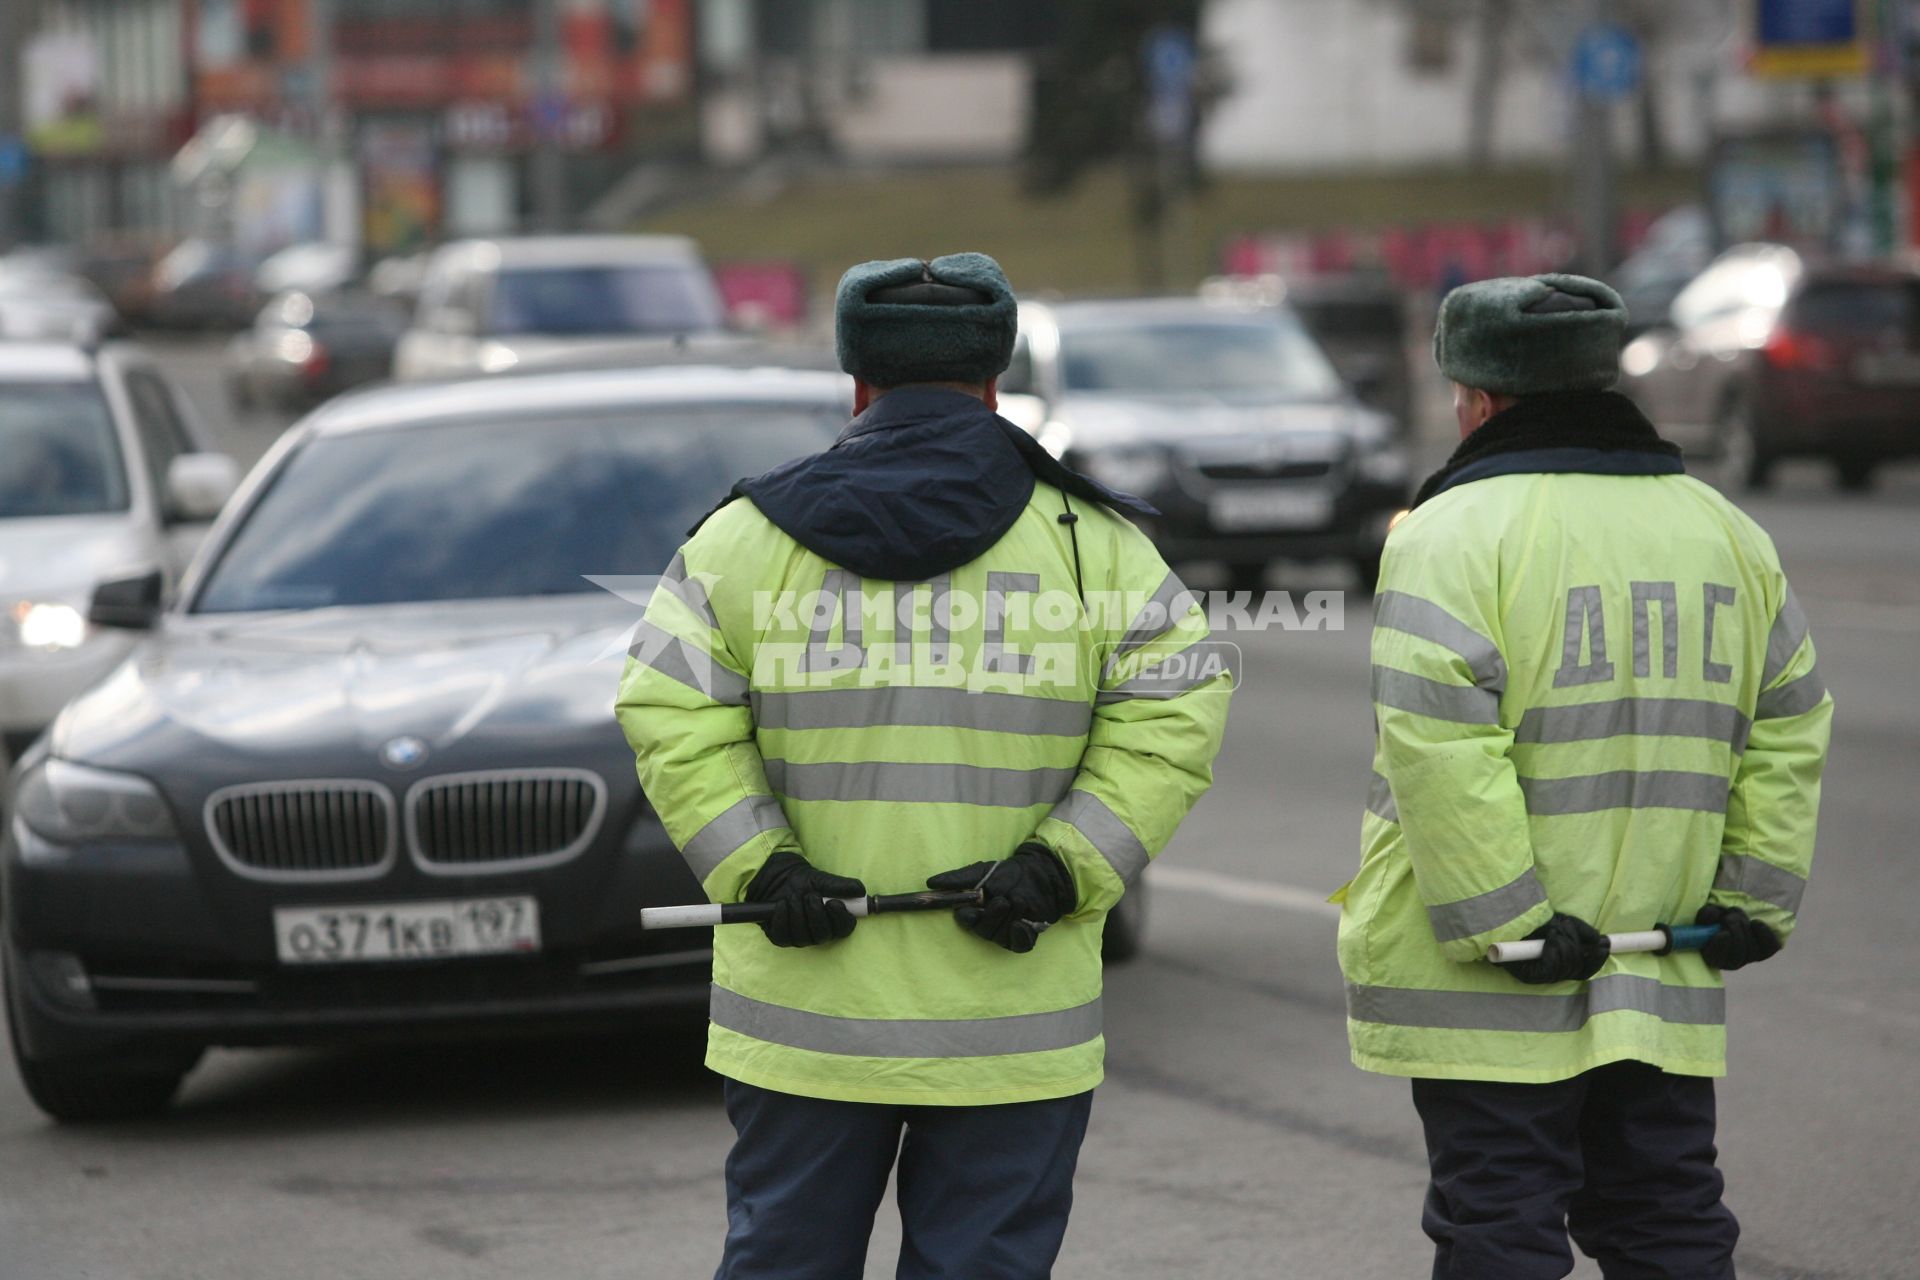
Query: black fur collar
x=1591, y=431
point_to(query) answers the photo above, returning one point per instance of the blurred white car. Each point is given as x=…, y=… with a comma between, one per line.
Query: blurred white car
x=104, y=474
x=487, y=306
x=312, y=266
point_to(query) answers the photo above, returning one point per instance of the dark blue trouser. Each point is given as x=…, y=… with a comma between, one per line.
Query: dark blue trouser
x=984, y=1191
x=1621, y=1157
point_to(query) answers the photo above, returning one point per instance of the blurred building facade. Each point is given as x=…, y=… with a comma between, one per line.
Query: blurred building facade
x=104, y=107
x=439, y=113
x=870, y=81
x=1327, y=84
x=396, y=123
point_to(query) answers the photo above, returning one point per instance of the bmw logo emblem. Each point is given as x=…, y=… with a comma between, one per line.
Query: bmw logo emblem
x=404, y=753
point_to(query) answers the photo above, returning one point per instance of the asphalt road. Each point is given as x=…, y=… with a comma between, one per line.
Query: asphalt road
x=1232, y=1138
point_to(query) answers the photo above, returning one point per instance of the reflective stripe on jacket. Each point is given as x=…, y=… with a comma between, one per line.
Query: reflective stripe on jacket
x=891, y=731
x=1595, y=695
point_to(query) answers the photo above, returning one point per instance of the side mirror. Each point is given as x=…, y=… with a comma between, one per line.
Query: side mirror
x=199, y=484
x=1029, y=413
x=132, y=604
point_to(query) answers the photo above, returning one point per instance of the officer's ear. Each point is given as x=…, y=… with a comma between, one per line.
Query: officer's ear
x=863, y=397
x=990, y=396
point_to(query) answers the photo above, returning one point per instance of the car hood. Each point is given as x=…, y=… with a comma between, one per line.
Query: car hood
x=480, y=683
x=63, y=557
x=1209, y=423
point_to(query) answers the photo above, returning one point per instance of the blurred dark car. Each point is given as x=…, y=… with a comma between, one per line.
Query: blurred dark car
x=363, y=779
x=1768, y=356
x=1226, y=415
x=304, y=348
x=203, y=285
x=1360, y=321
x=122, y=268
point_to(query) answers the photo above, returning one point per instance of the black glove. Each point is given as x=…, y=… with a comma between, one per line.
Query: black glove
x=1575, y=951
x=1025, y=894
x=805, y=917
x=1742, y=940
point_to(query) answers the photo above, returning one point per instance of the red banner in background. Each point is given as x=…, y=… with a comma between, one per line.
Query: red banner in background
x=763, y=294
x=1425, y=256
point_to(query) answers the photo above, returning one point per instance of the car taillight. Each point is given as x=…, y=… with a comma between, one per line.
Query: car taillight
x=1798, y=352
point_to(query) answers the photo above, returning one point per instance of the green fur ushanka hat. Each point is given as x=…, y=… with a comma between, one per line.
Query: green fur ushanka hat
x=1524, y=336
x=907, y=321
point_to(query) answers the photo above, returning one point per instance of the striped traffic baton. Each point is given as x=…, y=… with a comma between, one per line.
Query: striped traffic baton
x=1660, y=940
x=712, y=913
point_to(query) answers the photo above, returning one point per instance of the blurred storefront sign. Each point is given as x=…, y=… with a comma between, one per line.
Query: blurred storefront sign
x=438, y=103
x=617, y=55
x=1811, y=39
x=61, y=78
x=401, y=196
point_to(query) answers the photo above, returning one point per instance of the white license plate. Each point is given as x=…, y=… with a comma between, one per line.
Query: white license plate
x=407, y=930
x=1237, y=511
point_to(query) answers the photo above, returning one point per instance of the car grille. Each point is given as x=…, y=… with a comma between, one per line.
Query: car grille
x=505, y=820
x=1304, y=470
x=321, y=830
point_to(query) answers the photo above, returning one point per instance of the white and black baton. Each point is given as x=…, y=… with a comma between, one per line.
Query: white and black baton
x=712, y=913
x=1660, y=940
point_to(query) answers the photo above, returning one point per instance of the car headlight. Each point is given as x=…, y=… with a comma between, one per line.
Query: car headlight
x=1384, y=466
x=69, y=803
x=49, y=626
x=1135, y=471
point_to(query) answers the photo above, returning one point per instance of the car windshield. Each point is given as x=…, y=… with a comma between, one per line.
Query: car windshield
x=563, y=301
x=58, y=452
x=471, y=510
x=1269, y=357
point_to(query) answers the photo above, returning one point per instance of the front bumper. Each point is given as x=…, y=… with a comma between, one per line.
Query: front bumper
x=113, y=950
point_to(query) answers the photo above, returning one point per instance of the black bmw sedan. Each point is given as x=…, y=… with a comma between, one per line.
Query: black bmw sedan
x=362, y=777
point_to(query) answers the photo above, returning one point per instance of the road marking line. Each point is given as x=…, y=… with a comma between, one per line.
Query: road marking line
x=1238, y=889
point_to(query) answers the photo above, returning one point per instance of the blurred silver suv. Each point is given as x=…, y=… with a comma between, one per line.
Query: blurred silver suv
x=487, y=306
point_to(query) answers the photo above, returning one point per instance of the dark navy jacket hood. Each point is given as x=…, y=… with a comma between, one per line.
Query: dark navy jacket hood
x=924, y=481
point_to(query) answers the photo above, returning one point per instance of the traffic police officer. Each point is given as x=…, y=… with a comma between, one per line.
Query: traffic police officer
x=1598, y=711
x=931, y=655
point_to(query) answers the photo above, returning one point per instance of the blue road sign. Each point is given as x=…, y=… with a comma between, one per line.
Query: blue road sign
x=1171, y=64
x=13, y=160
x=1606, y=62
x=549, y=116
x=1816, y=22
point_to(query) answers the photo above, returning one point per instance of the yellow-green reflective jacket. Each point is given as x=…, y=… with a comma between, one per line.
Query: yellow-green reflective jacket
x=1595, y=695
x=891, y=731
